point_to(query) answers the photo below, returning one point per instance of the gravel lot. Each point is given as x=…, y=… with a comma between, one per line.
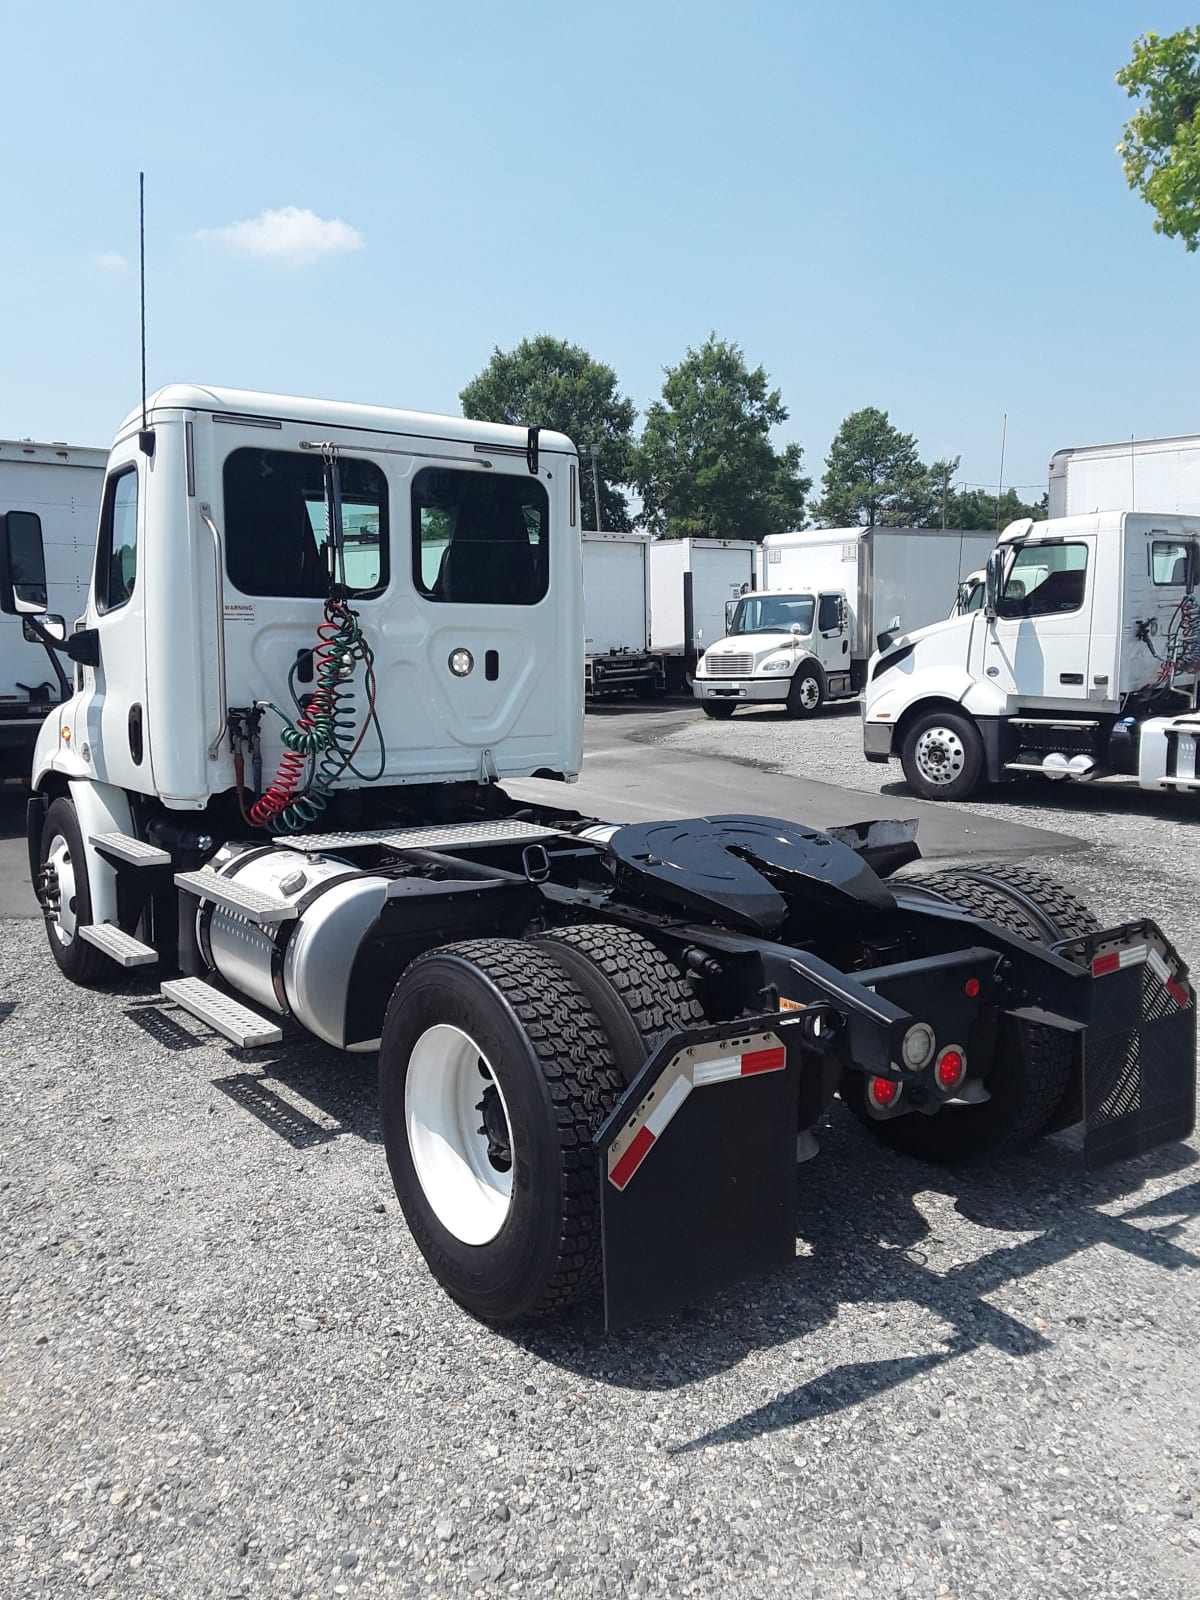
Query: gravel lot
x=225, y=1371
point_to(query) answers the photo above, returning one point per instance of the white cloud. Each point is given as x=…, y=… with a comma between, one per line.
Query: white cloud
x=111, y=261
x=290, y=234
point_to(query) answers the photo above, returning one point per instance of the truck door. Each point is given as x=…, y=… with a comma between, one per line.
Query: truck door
x=833, y=639
x=1037, y=646
x=114, y=721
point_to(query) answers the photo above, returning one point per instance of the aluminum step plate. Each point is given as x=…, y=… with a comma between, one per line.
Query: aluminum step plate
x=118, y=945
x=234, y=896
x=457, y=835
x=134, y=851
x=229, y=1017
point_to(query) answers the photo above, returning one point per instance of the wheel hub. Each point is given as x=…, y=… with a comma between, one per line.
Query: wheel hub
x=941, y=755
x=58, y=891
x=494, y=1126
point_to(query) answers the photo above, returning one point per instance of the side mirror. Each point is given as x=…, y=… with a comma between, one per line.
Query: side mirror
x=994, y=580
x=729, y=608
x=56, y=627
x=22, y=565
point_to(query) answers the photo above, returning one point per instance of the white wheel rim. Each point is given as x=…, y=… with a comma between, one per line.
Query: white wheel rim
x=448, y=1076
x=940, y=755
x=61, y=921
x=810, y=693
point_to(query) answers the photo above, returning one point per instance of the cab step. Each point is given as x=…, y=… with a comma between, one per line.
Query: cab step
x=239, y=1023
x=134, y=852
x=253, y=904
x=118, y=945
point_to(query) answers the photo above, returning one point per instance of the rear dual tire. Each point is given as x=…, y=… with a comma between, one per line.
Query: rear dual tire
x=498, y=1062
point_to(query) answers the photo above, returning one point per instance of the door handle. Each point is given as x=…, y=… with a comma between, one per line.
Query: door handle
x=1070, y=677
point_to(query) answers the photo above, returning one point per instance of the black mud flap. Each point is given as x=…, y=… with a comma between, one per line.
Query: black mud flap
x=1139, y=1053
x=698, y=1168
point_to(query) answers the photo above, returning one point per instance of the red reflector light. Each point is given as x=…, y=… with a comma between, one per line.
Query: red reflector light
x=972, y=988
x=1106, y=963
x=950, y=1068
x=883, y=1091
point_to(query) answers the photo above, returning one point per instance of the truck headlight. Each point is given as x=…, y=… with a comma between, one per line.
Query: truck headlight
x=777, y=664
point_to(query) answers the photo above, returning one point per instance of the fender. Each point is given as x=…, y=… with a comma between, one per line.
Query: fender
x=101, y=808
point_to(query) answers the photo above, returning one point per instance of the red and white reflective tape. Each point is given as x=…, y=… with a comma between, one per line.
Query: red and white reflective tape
x=652, y=1116
x=1138, y=955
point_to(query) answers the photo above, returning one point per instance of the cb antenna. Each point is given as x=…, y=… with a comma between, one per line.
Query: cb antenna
x=146, y=436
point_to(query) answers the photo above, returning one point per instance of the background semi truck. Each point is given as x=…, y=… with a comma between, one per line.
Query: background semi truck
x=691, y=583
x=59, y=485
x=805, y=634
x=616, y=613
x=1132, y=475
x=279, y=784
x=1081, y=664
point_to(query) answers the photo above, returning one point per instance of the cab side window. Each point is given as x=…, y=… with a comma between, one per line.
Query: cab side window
x=1045, y=580
x=116, y=550
x=829, y=618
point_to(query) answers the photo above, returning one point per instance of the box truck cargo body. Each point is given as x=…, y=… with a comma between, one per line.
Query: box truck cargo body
x=616, y=615
x=60, y=486
x=1136, y=475
x=691, y=580
x=824, y=594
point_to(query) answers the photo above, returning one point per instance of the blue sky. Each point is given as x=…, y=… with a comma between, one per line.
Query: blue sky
x=915, y=206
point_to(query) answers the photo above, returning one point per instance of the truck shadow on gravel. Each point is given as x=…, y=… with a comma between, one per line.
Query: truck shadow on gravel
x=1073, y=799
x=864, y=1218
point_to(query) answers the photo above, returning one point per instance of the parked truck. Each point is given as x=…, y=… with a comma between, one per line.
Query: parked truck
x=616, y=613
x=1081, y=664
x=805, y=634
x=691, y=583
x=279, y=782
x=57, y=488
x=1133, y=475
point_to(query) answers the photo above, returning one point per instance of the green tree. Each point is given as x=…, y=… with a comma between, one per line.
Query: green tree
x=553, y=384
x=874, y=475
x=977, y=508
x=1161, y=147
x=706, y=467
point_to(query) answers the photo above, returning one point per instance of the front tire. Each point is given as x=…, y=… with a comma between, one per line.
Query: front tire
x=718, y=710
x=65, y=893
x=494, y=1073
x=807, y=693
x=942, y=755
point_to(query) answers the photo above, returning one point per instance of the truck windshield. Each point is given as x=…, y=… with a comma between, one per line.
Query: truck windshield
x=773, y=613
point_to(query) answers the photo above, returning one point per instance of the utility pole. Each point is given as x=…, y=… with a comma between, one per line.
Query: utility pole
x=945, y=492
x=594, y=452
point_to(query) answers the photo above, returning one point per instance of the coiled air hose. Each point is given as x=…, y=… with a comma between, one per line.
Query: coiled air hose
x=321, y=741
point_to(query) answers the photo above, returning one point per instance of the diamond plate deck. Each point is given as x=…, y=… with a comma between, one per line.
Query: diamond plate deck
x=457, y=834
x=229, y=1017
x=136, y=852
x=234, y=896
x=118, y=945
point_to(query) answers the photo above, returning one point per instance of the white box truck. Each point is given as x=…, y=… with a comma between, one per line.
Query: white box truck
x=1134, y=475
x=616, y=616
x=691, y=581
x=805, y=634
x=57, y=488
x=1081, y=664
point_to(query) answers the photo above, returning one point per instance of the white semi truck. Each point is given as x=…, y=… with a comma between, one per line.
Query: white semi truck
x=1131, y=475
x=804, y=636
x=691, y=583
x=616, y=614
x=318, y=639
x=57, y=487
x=1080, y=664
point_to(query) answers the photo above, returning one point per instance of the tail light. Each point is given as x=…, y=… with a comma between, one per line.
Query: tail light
x=882, y=1092
x=951, y=1068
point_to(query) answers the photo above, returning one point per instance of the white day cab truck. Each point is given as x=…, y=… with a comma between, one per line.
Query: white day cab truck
x=318, y=641
x=1081, y=664
x=691, y=583
x=58, y=487
x=616, y=617
x=805, y=635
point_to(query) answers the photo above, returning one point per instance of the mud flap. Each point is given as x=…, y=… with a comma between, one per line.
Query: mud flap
x=1139, y=1053
x=698, y=1169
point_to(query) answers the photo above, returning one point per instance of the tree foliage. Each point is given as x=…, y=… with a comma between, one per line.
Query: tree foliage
x=873, y=475
x=1161, y=147
x=553, y=384
x=706, y=467
x=977, y=508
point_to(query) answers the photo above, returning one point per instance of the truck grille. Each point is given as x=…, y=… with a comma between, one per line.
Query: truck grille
x=728, y=666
